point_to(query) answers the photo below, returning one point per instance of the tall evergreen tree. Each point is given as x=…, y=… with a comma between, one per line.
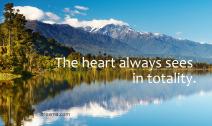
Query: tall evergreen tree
x=19, y=39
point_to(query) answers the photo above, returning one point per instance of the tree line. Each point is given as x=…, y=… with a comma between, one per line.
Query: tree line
x=21, y=49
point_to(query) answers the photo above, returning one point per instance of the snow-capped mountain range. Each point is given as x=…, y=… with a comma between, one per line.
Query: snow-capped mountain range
x=122, y=40
x=123, y=31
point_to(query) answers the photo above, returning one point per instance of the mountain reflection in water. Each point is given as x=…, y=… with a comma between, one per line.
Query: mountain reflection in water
x=97, y=94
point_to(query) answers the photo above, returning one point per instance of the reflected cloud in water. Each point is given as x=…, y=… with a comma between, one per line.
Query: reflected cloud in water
x=87, y=97
x=117, y=98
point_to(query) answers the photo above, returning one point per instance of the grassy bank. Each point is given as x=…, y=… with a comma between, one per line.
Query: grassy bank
x=8, y=76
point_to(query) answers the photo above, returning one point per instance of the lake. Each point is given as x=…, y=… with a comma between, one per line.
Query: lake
x=103, y=98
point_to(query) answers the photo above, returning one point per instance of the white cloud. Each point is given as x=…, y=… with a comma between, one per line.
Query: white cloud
x=82, y=8
x=66, y=9
x=79, y=10
x=92, y=23
x=76, y=12
x=52, y=16
x=34, y=13
x=73, y=12
x=31, y=13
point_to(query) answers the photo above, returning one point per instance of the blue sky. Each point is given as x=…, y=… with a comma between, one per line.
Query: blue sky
x=188, y=19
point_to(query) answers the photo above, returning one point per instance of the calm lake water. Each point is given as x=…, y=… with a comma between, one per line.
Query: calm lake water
x=103, y=99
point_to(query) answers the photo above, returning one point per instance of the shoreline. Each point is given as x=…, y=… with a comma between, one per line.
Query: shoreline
x=11, y=76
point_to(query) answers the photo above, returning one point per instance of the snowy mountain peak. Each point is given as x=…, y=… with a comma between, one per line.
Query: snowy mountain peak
x=119, y=31
x=126, y=33
x=105, y=27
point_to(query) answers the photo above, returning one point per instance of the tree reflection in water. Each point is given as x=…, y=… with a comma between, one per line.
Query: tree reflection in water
x=17, y=97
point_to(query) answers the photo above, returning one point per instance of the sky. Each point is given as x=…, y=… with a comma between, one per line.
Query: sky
x=186, y=19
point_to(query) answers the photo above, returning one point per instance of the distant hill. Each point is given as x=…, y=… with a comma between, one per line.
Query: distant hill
x=122, y=41
x=50, y=47
x=82, y=41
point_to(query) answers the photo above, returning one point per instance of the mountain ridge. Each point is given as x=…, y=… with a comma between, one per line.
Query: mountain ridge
x=155, y=42
x=81, y=40
x=122, y=40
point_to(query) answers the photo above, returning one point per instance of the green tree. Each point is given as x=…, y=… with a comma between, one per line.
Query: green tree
x=19, y=39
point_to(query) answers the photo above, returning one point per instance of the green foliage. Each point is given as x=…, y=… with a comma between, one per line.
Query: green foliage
x=49, y=47
x=22, y=49
x=16, y=39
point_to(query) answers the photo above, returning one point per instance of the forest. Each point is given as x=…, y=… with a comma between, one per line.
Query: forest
x=24, y=52
x=21, y=49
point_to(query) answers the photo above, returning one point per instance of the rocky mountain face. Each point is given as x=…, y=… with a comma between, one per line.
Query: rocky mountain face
x=82, y=41
x=155, y=43
x=122, y=41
